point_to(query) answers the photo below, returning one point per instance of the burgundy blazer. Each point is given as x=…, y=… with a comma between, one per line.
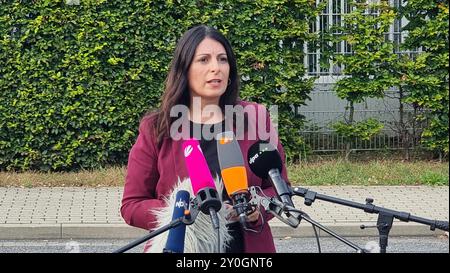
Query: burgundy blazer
x=152, y=172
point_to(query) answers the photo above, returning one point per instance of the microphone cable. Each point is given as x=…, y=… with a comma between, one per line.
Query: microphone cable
x=219, y=249
x=313, y=226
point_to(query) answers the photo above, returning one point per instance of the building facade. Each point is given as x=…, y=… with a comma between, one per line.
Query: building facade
x=325, y=108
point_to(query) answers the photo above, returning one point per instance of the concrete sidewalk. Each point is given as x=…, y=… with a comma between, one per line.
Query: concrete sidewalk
x=69, y=213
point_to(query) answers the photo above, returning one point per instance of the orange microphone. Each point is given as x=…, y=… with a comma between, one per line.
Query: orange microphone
x=234, y=174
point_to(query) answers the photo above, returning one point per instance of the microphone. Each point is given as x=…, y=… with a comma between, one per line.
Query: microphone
x=203, y=186
x=265, y=161
x=175, y=239
x=234, y=174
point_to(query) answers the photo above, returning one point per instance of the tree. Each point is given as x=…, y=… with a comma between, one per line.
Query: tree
x=366, y=68
x=427, y=75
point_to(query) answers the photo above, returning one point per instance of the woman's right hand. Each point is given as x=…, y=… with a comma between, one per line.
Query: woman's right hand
x=231, y=215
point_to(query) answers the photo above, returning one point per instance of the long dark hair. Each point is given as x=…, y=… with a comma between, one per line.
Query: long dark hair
x=176, y=84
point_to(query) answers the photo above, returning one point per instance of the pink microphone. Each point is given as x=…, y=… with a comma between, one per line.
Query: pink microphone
x=203, y=186
x=197, y=167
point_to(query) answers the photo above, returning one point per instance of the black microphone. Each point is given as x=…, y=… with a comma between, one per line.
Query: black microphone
x=175, y=240
x=265, y=161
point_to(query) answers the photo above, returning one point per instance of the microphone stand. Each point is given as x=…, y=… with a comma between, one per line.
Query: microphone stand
x=276, y=207
x=329, y=231
x=385, y=216
x=187, y=220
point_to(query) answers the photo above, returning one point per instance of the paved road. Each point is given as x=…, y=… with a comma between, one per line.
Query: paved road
x=429, y=244
x=61, y=213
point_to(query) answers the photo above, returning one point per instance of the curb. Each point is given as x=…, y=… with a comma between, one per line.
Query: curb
x=69, y=231
x=353, y=230
x=124, y=231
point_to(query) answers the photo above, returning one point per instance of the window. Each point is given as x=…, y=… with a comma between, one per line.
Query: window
x=332, y=15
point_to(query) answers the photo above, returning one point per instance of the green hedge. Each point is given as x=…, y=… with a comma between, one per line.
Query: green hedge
x=76, y=79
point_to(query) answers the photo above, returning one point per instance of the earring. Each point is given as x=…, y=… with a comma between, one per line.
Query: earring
x=229, y=81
